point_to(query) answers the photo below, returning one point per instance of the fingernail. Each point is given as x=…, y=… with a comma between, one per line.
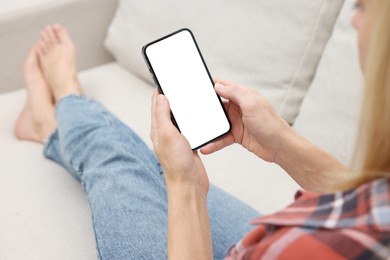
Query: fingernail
x=219, y=85
x=160, y=99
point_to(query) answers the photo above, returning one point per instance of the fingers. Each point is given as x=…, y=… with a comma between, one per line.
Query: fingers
x=247, y=99
x=217, y=145
x=234, y=93
x=224, y=82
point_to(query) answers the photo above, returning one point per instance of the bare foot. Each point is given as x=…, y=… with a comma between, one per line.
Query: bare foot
x=57, y=55
x=37, y=119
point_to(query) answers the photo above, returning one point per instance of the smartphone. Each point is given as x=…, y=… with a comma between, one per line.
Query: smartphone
x=180, y=73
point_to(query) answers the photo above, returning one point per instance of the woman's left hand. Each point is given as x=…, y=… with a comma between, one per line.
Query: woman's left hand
x=189, y=235
x=182, y=166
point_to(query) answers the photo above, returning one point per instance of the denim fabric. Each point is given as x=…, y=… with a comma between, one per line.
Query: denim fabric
x=125, y=185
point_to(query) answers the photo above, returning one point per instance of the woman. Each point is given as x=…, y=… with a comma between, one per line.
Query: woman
x=346, y=214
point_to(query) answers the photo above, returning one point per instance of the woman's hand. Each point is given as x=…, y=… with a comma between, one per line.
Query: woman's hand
x=189, y=235
x=181, y=165
x=255, y=125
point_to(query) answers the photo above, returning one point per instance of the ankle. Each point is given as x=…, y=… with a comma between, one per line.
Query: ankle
x=71, y=87
x=45, y=129
x=35, y=123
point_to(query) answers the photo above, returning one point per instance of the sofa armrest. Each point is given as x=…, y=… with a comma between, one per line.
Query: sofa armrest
x=87, y=21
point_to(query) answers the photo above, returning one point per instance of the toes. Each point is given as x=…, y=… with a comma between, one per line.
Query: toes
x=62, y=34
x=40, y=54
x=32, y=57
x=44, y=41
x=35, y=49
x=41, y=48
x=48, y=38
x=52, y=35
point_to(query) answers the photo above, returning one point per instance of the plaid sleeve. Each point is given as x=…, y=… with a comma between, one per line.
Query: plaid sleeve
x=348, y=225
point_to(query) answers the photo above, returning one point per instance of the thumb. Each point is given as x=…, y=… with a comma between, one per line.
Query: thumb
x=165, y=135
x=161, y=115
x=162, y=112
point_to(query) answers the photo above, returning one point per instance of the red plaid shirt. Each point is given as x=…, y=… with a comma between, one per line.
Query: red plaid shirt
x=347, y=225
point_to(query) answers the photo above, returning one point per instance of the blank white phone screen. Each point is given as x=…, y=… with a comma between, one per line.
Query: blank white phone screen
x=183, y=78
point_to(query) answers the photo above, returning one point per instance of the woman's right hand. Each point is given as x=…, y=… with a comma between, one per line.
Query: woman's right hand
x=255, y=124
x=257, y=127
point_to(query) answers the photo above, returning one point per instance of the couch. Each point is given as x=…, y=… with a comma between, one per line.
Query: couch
x=300, y=55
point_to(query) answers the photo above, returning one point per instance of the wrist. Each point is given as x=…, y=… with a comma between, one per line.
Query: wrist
x=185, y=192
x=189, y=235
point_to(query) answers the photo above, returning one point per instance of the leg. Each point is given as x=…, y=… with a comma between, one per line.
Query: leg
x=229, y=220
x=125, y=185
x=120, y=175
x=142, y=182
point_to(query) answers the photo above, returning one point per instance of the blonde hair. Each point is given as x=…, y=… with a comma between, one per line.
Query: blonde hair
x=373, y=146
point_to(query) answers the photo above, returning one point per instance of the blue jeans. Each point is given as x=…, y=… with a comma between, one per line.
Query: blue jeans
x=125, y=185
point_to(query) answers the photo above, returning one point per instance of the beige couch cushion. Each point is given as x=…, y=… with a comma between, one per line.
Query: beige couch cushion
x=87, y=21
x=273, y=45
x=44, y=212
x=329, y=115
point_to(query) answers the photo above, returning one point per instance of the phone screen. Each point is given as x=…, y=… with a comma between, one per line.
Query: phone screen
x=181, y=74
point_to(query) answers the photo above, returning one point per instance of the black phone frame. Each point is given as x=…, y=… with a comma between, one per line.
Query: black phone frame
x=160, y=90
